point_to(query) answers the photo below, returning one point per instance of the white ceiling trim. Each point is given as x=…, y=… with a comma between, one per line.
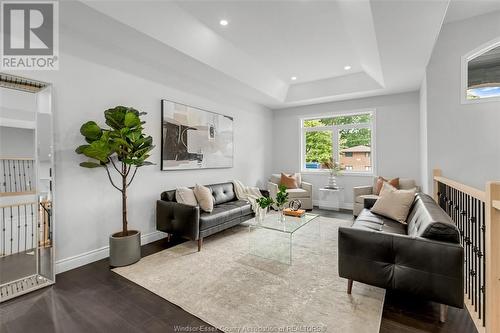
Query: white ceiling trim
x=359, y=21
x=169, y=24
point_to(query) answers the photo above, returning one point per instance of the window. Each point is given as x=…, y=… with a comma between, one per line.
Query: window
x=482, y=74
x=347, y=139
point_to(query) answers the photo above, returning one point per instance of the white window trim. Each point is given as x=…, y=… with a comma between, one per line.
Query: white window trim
x=464, y=77
x=335, y=148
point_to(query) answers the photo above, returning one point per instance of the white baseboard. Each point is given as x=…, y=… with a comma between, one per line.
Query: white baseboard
x=85, y=258
x=345, y=205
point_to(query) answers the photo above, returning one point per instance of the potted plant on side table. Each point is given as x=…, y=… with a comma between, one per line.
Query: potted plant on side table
x=124, y=148
x=333, y=168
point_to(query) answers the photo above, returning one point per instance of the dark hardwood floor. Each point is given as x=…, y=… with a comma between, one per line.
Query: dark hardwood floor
x=92, y=298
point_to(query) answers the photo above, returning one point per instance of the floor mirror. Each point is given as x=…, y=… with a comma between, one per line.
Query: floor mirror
x=26, y=186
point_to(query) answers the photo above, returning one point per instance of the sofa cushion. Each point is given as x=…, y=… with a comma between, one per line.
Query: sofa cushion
x=185, y=196
x=379, y=182
x=223, y=213
x=222, y=193
x=290, y=181
x=428, y=220
x=394, y=204
x=297, y=193
x=361, y=198
x=204, y=197
x=368, y=220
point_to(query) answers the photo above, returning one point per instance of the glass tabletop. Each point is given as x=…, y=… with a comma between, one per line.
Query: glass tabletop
x=290, y=225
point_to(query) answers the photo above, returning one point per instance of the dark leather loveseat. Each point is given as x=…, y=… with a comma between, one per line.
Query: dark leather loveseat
x=191, y=222
x=423, y=258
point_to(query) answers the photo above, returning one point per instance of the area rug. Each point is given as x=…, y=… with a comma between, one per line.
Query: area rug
x=229, y=288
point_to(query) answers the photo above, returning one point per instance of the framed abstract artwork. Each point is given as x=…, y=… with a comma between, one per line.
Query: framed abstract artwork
x=192, y=138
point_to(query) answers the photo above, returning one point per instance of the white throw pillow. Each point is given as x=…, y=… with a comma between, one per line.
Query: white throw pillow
x=185, y=196
x=204, y=197
x=394, y=204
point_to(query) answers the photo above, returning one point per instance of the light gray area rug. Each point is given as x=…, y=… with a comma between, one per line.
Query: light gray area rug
x=233, y=290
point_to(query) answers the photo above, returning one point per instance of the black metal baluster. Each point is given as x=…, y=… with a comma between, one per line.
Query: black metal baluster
x=10, y=177
x=25, y=228
x=11, y=224
x=473, y=262
x=29, y=174
x=4, y=182
x=483, y=289
x=39, y=228
x=24, y=176
x=32, y=228
x=14, y=175
x=4, y=240
x=20, y=178
x=479, y=267
x=18, y=228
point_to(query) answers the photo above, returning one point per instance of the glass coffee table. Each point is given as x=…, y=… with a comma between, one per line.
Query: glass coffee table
x=272, y=239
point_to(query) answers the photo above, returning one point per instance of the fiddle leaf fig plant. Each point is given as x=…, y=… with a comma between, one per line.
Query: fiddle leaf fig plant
x=122, y=147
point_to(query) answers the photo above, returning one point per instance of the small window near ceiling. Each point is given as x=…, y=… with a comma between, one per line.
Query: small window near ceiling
x=483, y=74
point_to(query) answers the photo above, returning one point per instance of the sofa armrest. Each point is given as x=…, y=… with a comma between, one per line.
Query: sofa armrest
x=422, y=267
x=308, y=187
x=362, y=190
x=177, y=218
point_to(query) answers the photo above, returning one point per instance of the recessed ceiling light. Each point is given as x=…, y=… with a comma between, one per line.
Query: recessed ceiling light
x=223, y=22
x=347, y=67
x=293, y=78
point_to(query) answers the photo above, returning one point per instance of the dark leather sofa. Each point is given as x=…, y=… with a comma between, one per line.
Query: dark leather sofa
x=191, y=222
x=423, y=258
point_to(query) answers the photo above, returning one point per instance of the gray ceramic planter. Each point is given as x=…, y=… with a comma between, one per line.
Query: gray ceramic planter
x=124, y=251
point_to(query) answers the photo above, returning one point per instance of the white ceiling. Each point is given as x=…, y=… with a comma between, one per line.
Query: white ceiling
x=462, y=9
x=386, y=42
x=306, y=39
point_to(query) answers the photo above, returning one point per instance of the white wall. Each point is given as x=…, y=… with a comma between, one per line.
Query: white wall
x=87, y=208
x=397, y=139
x=423, y=137
x=463, y=140
x=17, y=142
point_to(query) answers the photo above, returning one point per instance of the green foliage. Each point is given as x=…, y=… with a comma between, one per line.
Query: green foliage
x=121, y=147
x=355, y=137
x=124, y=140
x=281, y=196
x=264, y=202
x=319, y=146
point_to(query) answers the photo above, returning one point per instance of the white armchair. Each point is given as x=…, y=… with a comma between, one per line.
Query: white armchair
x=367, y=192
x=303, y=193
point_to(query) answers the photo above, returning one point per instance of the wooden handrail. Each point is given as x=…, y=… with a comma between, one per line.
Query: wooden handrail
x=17, y=158
x=491, y=228
x=19, y=204
x=14, y=194
x=472, y=191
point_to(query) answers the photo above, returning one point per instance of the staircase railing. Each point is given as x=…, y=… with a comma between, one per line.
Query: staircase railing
x=476, y=213
x=17, y=176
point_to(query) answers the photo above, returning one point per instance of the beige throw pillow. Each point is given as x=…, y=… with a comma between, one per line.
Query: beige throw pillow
x=185, y=196
x=204, y=197
x=394, y=204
